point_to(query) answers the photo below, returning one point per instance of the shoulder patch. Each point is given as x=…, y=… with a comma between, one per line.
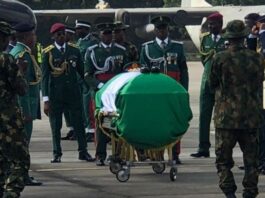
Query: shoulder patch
x=72, y=45
x=177, y=42
x=92, y=47
x=49, y=48
x=119, y=46
x=147, y=43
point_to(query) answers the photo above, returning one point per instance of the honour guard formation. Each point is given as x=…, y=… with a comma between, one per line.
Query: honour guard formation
x=83, y=69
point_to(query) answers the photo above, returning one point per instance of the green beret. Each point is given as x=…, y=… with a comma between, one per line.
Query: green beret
x=236, y=29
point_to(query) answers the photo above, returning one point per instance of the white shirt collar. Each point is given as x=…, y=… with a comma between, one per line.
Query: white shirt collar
x=159, y=41
x=28, y=48
x=59, y=46
x=104, y=45
x=217, y=37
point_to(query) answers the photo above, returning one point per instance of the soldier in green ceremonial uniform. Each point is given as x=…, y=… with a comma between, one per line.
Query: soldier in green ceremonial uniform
x=30, y=103
x=120, y=38
x=167, y=56
x=103, y=61
x=14, y=154
x=211, y=43
x=236, y=77
x=69, y=38
x=60, y=89
x=86, y=39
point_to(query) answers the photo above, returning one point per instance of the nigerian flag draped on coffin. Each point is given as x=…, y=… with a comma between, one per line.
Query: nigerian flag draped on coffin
x=153, y=109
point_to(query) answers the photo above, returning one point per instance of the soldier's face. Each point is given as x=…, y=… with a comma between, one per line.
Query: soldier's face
x=249, y=23
x=215, y=27
x=106, y=37
x=161, y=32
x=81, y=32
x=59, y=37
x=118, y=36
x=69, y=37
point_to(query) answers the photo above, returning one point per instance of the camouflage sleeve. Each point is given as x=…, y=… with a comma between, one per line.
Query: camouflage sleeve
x=15, y=77
x=184, y=75
x=89, y=72
x=214, y=74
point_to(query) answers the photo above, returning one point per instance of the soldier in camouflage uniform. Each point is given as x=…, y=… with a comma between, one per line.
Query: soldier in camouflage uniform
x=103, y=61
x=236, y=78
x=211, y=43
x=14, y=154
x=120, y=38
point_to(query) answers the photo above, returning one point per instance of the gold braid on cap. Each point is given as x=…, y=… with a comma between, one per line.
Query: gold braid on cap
x=36, y=67
x=57, y=71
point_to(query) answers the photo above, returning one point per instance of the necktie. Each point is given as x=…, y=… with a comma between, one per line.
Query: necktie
x=163, y=44
x=62, y=49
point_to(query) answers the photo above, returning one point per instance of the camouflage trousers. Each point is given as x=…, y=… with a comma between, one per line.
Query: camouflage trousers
x=14, y=157
x=225, y=141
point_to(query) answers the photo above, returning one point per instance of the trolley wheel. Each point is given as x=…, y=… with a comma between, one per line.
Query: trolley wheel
x=173, y=173
x=114, y=167
x=159, y=168
x=123, y=175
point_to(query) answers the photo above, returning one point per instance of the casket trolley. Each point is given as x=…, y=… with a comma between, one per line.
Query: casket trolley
x=144, y=115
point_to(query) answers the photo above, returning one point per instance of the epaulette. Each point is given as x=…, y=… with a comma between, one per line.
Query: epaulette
x=119, y=46
x=178, y=42
x=92, y=47
x=204, y=34
x=21, y=54
x=147, y=43
x=49, y=48
x=72, y=45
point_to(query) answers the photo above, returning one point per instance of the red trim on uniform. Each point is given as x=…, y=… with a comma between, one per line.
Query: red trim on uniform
x=104, y=77
x=174, y=74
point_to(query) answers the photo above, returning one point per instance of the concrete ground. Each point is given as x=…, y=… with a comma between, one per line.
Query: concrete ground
x=72, y=178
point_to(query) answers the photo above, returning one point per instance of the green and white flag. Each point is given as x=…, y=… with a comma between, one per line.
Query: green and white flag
x=153, y=109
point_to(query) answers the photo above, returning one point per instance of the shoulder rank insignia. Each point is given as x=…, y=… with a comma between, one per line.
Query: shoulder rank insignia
x=119, y=46
x=147, y=43
x=49, y=48
x=178, y=42
x=72, y=45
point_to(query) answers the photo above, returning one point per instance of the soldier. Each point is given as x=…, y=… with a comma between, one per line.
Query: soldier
x=12, y=134
x=238, y=103
x=86, y=39
x=120, y=38
x=168, y=57
x=261, y=24
x=211, y=42
x=250, y=21
x=61, y=63
x=103, y=61
x=69, y=37
x=30, y=102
